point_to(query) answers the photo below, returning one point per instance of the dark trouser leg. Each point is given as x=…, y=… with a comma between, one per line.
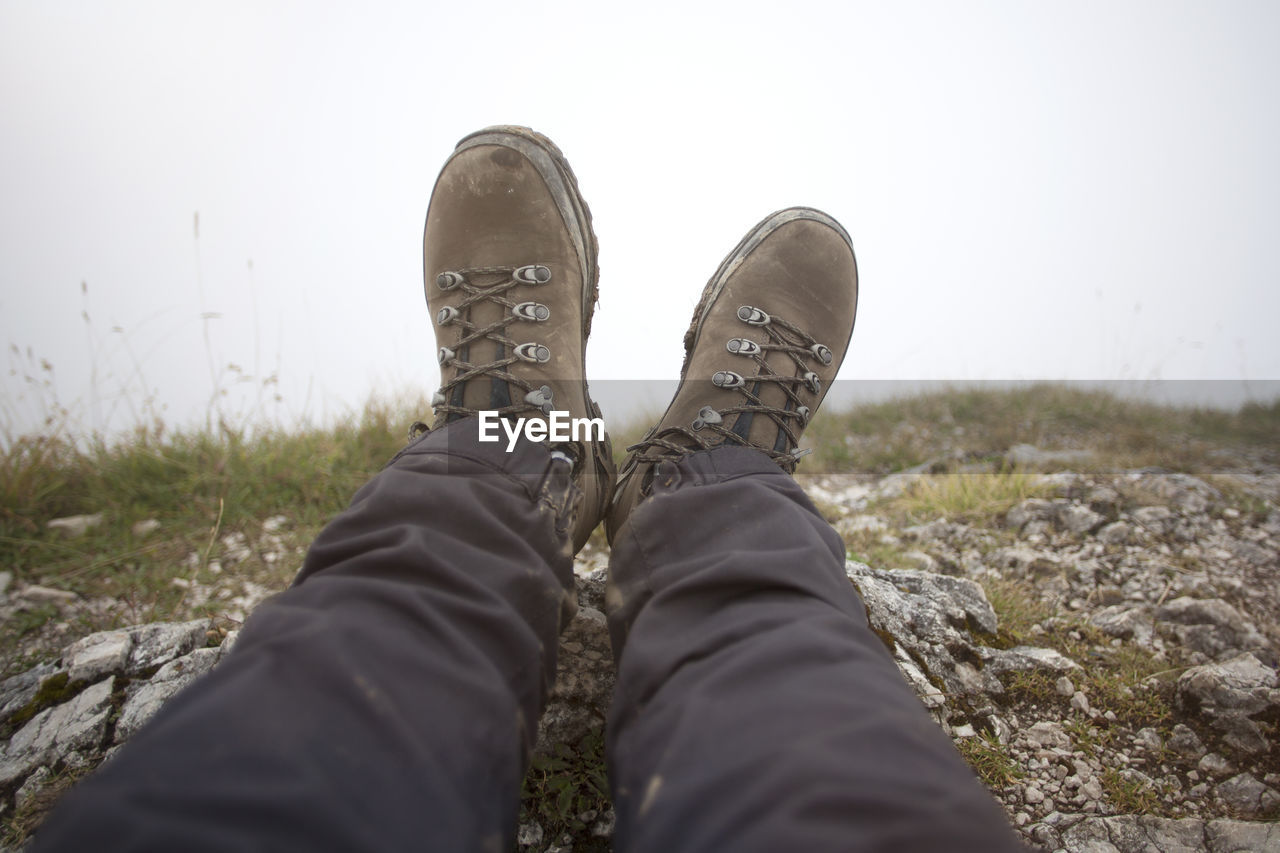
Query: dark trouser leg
x=755, y=709
x=388, y=700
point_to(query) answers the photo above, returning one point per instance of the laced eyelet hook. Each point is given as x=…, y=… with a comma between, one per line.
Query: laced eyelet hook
x=449, y=280
x=706, y=415
x=534, y=312
x=542, y=397
x=727, y=379
x=532, y=351
x=532, y=274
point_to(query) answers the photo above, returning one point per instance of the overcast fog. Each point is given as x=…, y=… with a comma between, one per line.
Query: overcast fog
x=199, y=198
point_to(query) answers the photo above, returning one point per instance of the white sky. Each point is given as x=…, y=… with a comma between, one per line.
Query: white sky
x=1086, y=190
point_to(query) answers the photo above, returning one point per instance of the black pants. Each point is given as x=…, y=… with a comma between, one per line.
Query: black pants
x=388, y=700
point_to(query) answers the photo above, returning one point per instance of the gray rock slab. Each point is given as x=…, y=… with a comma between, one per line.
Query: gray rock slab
x=1154, y=519
x=1248, y=797
x=73, y=526
x=1186, y=610
x=161, y=642
x=18, y=690
x=1183, y=491
x=1031, y=509
x=34, y=782
x=1078, y=519
x=1242, y=686
x=147, y=698
x=1115, y=533
x=1024, y=659
x=36, y=594
x=79, y=724
x=960, y=595
x=580, y=698
x=97, y=655
x=930, y=617
x=144, y=528
x=1239, y=836
x=1144, y=834
x=1046, y=734
x=1126, y=622
x=1185, y=742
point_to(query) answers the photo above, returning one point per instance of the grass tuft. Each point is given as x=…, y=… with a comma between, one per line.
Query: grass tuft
x=970, y=498
x=990, y=761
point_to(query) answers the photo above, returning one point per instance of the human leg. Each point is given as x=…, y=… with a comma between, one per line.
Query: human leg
x=755, y=708
x=388, y=700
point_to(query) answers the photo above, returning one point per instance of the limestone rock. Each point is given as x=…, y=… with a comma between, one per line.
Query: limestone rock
x=36, y=594
x=1147, y=834
x=31, y=786
x=1248, y=797
x=144, y=528
x=1183, y=491
x=17, y=691
x=97, y=655
x=1125, y=622
x=1024, y=659
x=529, y=834
x=1185, y=742
x=1031, y=509
x=1027, y=561
x=145, y=700
x=1046, y=734
x=964, y=600
x=929, y=617
x=1210, y=626
x=1215, y=766
x=161, y=642
x=1227, y=694
x=1157, y=520
x=1078, y=519
x=1115, y=533
x=72, y=526
x=1234, y=836
x=75, y=725
x=580, y=698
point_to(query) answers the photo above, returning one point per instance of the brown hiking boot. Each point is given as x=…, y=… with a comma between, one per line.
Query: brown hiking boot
x=767, y=338
x=509, y=259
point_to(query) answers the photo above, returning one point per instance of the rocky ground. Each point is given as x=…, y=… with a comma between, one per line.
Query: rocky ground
x=1103, y=652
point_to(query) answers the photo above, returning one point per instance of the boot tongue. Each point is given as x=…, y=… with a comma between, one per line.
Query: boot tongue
x=758, y=428
x=485, y=392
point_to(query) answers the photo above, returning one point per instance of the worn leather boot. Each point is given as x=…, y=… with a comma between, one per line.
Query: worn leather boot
x=767, y=338
x=509, y=260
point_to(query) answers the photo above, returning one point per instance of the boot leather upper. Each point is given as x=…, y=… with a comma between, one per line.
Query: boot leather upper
x=801, y=270
x=492, y=208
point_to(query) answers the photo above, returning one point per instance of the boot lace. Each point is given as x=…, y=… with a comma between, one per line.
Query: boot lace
x=491, y=284
x=795, y=349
